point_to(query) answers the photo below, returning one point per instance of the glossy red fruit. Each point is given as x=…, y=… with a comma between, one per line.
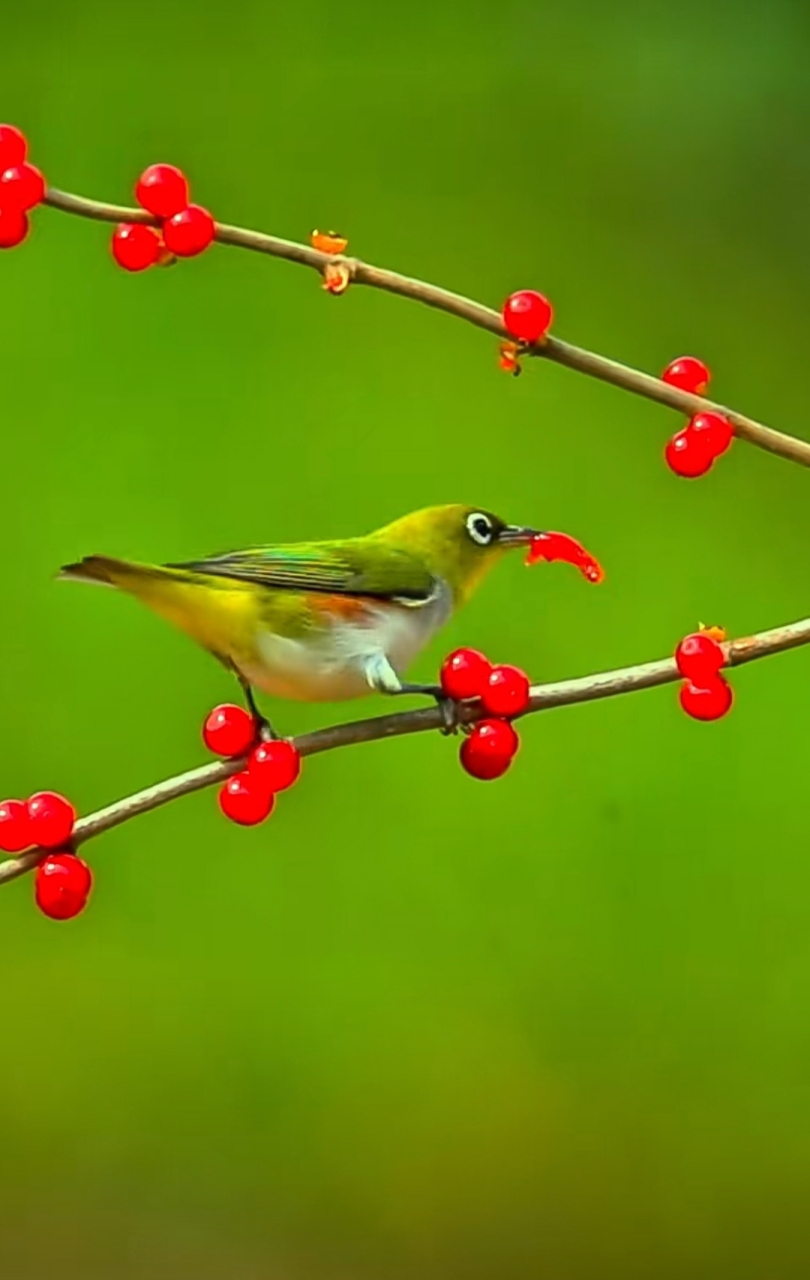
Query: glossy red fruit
x=135, y=247
x=464, y=674
x=560, y=546
x=51, y=818
x=709, y=702
x=21, y=187
x=699, y=658
x=244, y=799
x=527, y=315
x=189, y=232
x=13, y=147
x=506, y=692
x=63, y=884
x=163, y=190
x=15, y=829
x=275, y=765
x=229, y=730
x=13, y=228
x=688, y=374
x=714, y=431
x=688, y=454
x=489, y=750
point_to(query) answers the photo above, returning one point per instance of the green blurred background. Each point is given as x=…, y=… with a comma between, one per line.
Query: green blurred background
x=555, y=1027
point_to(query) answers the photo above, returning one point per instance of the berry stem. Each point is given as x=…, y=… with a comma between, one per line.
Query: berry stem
x=564, y=353
x=606, y=684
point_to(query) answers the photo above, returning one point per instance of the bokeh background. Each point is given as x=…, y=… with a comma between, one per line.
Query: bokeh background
x=554, y=1027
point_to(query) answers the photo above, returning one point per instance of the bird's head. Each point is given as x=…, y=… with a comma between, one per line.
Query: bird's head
x=458, y=543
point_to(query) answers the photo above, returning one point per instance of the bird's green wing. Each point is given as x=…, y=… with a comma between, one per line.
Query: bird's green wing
x=354, y=567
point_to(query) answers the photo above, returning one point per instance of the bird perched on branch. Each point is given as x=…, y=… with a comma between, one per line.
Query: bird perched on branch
x=324, y=621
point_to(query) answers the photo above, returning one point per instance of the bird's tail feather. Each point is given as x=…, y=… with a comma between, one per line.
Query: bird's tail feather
x=109, y=572
x=210, y=610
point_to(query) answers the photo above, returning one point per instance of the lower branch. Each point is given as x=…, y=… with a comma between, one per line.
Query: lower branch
x=562, y=693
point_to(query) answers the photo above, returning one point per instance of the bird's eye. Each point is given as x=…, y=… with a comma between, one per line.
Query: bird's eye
x=480, y=529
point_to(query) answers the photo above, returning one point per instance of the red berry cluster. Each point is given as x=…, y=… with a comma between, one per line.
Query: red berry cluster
x=46, y=821
x=186, y=229
x=692, y=451
x=492, y=744
x=705, y=694
x=22, y=187
x=249, y=796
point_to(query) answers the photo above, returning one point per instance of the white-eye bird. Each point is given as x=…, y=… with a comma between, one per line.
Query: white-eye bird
x=324, y=621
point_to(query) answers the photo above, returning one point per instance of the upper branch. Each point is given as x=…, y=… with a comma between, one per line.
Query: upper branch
x=565, y=353
x=563, y=693
x=543, y=696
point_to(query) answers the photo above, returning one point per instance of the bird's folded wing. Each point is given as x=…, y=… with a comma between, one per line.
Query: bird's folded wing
x=343, y=570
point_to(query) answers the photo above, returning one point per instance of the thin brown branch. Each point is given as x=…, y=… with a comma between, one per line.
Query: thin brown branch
x=565, y=353
x=562, y=693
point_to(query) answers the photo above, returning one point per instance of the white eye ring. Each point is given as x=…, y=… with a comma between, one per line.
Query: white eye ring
x=479, y=527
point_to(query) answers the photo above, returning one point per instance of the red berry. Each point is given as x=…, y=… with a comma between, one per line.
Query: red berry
x=63, y=884
x=709, y=703
x=135, y=247
x=275, y=765
x=15, y=831
x=244, y=799
x=489, y=750
x=13, y=228
x=464, y=674
x=688, y=374
x=688, y=454
x=51, y=817
x=506, y=692
x=527, y=315
x=163, y=190
x=13, y=146
x=229, y=730
x=699, y=658
x=715, y=431
x=189, y=232
x=21, y=187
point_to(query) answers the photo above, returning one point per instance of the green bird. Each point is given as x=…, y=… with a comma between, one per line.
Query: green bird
x=324, y=621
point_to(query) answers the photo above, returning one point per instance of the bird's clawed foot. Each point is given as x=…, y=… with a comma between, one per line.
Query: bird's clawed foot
x=448, y=707
x=449, y=713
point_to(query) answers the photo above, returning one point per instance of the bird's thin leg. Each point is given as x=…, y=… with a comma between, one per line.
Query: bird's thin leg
x=264, y=728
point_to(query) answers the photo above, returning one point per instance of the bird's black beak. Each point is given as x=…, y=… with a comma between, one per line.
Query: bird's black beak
x=517, y=535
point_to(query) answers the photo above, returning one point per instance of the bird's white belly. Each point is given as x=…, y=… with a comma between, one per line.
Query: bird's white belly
x=330, y=666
